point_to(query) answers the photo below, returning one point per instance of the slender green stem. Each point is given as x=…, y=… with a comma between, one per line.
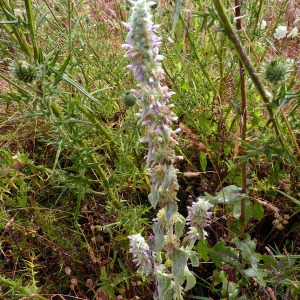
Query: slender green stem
x=16, y=286
x=96, y=122
x=247, y=64
x=70, y=48
x=30, y=19
x=13, y=83
x=243, y=122
x=205, y=73
x=19, y=35
x=257, y=15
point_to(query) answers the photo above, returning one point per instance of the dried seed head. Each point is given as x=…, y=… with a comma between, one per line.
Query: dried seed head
x=89, y=283
x=68, y=270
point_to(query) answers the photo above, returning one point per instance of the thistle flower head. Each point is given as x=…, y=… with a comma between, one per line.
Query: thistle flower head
x=198, y=218
x=23, y=70
x=129, y=99
x=275, y=71
x=141, y=252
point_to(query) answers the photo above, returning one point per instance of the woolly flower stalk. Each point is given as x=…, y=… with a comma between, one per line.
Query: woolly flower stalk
x=198, y=218
x=142, y=45
x=141, y=252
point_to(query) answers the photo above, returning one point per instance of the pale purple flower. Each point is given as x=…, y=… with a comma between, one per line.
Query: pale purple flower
x=155, y=27
x=126, y=47
x=141, y=252
x=127, y=26
x=198, y=218
x=176, y=131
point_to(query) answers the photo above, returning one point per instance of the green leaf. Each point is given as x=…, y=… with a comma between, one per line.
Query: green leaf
x=258, y=211
x=248, y=210
x=203, y=161
x=220, y=253
x=228, y=195
x=190, y=279
x=159, y=237
x=230, y=288
x=219, y=276
x=179, y=259
x=153, y=196
x=290, y=197
x=171, y=209
x=164, y=283
x=194, y=259
x=202, y=250
x=65, y=78
x=257, y=273
x=176, y=14
x=179, y=226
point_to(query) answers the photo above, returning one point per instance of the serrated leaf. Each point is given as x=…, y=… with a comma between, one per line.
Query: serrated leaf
x=247, y=246
x=228, y=195
x=221, y=253
x=202, y=250
x=257, y=273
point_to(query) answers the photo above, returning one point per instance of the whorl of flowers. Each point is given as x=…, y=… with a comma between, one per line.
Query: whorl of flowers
x=198, y=218
x=141, y=252
x=142, y=45
x=280, y=32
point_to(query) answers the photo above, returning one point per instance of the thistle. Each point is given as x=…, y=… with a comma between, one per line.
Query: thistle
x=24, y=71
x=129, y=99
x=275, y=71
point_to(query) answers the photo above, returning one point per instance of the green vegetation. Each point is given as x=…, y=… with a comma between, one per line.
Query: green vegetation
x=73, y=179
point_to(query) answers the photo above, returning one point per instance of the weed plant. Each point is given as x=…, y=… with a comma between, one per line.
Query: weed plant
x=73, y=181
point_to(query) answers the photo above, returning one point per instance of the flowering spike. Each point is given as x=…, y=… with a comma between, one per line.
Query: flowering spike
x=198, y=218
